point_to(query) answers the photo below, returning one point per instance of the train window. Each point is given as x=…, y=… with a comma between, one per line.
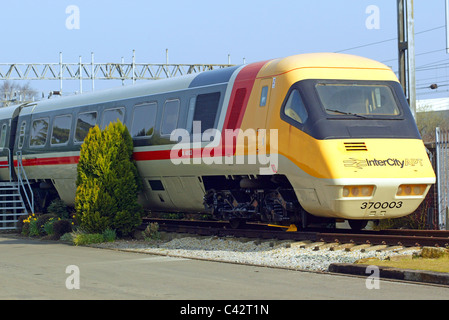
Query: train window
x=22, y=134
x=170, y=116
x=112, y=115
x=61, y=129
x=190, y=113
x=84, y=122
x=3, y=135
x=39, y=131
x=206, y=108
x=144, y=118
x=294, y=108
x=263, y=97
x=357, y=99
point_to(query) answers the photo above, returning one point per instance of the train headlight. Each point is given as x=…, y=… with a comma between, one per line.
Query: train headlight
x=411, y=190
x=358, y=191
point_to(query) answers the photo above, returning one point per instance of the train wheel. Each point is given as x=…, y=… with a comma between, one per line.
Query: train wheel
x=237, y=223
x=357, y=224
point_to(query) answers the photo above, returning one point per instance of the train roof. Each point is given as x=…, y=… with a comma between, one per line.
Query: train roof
x=135, y=90
x=7, y=112
x=112, y=94
x=271, y=68
x=324, y=61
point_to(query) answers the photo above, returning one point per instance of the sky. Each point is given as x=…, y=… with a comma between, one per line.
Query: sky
x=205, y=31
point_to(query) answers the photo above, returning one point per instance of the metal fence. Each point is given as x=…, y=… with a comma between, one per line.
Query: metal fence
x=442, y=172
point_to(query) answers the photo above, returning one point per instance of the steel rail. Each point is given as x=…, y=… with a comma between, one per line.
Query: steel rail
x=406, y=238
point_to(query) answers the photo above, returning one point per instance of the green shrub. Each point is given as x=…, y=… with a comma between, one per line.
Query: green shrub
x=48, y=226
x=151, y=232
x=26, y=229
x=81, y=239
x=107, y=182
x=42, y=221
x=62, y=227
x=33, y=229
x=58, y=208
x=68, y=237
x=109, y=235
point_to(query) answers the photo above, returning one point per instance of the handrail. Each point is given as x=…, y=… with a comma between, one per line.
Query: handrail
x=7, y=163
x=21, y=172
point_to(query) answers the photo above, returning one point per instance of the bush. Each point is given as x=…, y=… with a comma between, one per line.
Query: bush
x=40, y=223
x=87, y=238
x=58, y=208
x=68, y=237
x=48, y=226
x=108, y=182
x=109, y=235
x=151, y=232
x=33, y=230
x=62, y=227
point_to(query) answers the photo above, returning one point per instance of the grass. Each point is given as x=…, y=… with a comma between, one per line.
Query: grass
x=418, y=263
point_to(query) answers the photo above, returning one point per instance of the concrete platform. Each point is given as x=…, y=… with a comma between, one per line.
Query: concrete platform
x=34, y=269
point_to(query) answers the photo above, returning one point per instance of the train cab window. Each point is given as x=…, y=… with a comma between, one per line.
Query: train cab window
x=295, y=109
x=357, y=99
x=170, y=116
x=144, y=118
x=206, y=108
x=3, y=136
x=39, y=131
x=84, y=122
x=112, y=115
x=61, y=130
x=263, y=97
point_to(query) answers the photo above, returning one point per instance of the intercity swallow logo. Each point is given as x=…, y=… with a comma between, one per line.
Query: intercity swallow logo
x=390, y=162
x=355, y=163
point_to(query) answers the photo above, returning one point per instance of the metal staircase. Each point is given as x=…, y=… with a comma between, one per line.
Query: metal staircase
x=16, y=196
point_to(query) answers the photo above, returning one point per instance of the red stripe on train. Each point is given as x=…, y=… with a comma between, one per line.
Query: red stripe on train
x=241, y=92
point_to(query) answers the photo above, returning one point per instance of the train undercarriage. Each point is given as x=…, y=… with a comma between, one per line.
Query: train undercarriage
x=269, y=199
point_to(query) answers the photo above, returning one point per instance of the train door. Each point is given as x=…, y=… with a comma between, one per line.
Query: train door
x=263, y=136
x=5, y=156
x=264, y=102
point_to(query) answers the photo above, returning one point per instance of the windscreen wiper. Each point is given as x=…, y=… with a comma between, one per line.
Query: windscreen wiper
x=347, y=113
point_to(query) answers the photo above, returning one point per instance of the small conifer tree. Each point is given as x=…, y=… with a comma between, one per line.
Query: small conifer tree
x=107, y=181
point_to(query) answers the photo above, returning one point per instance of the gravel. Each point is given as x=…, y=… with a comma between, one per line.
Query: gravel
x=270, y=253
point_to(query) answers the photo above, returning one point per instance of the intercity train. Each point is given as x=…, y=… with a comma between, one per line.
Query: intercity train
x=289, y=140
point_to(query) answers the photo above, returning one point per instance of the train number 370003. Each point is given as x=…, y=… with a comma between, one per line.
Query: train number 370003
x=381, y=205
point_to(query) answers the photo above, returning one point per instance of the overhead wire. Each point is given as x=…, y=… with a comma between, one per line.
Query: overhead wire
x=387, y=40
x=436, y=65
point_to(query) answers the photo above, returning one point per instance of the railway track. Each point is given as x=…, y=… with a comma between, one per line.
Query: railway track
x=331, y=238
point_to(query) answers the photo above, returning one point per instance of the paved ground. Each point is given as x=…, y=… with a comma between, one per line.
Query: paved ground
x=31, y=269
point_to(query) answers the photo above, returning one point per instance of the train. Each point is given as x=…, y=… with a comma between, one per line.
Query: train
x=295, y=140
